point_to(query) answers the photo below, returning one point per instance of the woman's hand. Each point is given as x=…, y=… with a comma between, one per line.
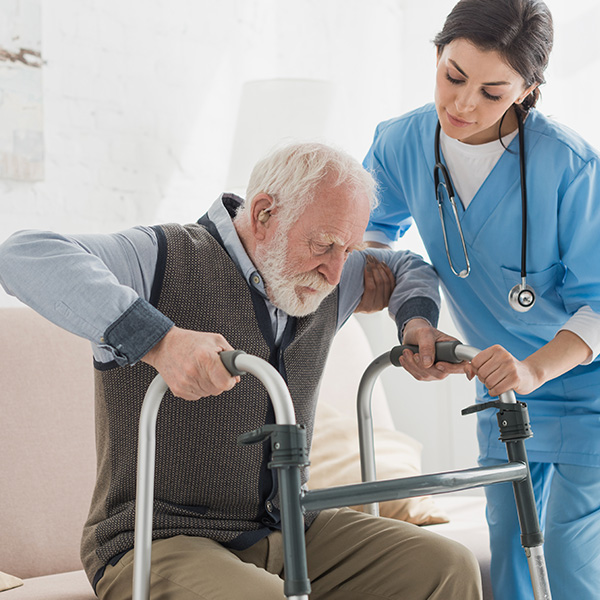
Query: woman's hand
x=421, y=366
x=379, y=285
x=500, y=372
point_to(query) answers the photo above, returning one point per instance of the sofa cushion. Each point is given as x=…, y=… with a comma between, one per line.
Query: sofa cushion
x=349, y=356
x=47, y=454
x=8, y=582
x=335, y=460
x=65, y=586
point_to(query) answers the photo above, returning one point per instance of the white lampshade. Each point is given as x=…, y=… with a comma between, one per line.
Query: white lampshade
x=272, y=111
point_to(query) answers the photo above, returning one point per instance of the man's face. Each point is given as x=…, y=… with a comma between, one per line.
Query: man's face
x=302, y=266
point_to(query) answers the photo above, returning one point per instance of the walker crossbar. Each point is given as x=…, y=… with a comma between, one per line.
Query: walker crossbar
x=408, y=487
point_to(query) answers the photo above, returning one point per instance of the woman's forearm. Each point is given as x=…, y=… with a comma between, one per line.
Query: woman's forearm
x=564, y=352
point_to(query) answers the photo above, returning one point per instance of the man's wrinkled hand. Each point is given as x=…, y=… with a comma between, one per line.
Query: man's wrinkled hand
x=421, y=365
x=190, y=364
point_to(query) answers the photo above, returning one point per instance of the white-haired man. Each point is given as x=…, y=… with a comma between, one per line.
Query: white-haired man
x=275, y=276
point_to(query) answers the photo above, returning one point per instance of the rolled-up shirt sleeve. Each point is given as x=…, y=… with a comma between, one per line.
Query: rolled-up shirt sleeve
x=586, y=324
x=97, y=286
x=416, y=294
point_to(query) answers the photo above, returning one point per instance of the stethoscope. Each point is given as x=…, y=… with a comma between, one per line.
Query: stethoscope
x=521, y=297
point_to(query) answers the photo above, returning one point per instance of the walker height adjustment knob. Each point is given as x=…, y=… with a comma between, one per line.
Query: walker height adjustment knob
x=513, y=419
x=288, y=444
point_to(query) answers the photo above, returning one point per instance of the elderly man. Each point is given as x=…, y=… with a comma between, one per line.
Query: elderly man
x=275, y=276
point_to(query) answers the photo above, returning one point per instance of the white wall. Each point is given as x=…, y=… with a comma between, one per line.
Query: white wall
x=141, y=100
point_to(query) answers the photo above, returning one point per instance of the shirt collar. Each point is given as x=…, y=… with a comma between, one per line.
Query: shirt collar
x=221, y=214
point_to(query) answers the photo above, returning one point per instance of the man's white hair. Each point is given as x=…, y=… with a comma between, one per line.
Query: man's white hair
x=292, y=174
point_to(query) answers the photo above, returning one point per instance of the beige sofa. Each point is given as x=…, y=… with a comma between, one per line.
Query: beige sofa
x=47, y=458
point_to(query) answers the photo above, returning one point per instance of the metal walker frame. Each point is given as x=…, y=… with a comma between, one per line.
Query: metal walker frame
x=289, y=454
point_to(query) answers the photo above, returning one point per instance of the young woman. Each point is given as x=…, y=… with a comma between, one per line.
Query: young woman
x=518, y=260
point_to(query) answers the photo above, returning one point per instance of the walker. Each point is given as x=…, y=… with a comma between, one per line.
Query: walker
x=289, y=454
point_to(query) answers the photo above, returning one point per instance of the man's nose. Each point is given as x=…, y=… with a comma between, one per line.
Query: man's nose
x=331, y=268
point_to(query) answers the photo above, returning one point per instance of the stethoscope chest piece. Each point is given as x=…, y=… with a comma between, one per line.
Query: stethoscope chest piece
x=521, y=297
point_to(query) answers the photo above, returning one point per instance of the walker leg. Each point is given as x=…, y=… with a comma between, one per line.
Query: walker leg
x=513, y=421
x=539, y=575
x=532, y=538
x=288, y=454
x=297, y=584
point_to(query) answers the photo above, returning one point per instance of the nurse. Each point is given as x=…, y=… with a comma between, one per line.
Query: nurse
x=510, y=167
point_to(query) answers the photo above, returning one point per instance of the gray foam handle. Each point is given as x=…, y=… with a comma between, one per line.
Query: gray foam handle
x=444, y=352
x=228, y=358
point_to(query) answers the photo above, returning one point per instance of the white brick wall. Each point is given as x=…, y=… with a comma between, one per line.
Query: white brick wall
x=141, y=98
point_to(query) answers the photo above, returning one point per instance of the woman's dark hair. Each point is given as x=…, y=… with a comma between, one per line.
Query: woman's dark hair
x=521, y=31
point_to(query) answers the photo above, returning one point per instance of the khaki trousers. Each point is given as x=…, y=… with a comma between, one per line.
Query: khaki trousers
x=351, y=556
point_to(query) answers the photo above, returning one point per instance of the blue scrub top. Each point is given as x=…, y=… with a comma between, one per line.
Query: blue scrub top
x=563, y=261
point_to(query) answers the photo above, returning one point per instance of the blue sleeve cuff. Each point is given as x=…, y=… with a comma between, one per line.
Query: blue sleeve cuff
x=137, y=330
x=417, y=308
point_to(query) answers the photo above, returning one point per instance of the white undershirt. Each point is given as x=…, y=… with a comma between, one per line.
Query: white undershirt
x=470, y=164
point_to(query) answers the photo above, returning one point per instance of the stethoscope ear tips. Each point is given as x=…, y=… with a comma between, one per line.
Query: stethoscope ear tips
x=522, y=297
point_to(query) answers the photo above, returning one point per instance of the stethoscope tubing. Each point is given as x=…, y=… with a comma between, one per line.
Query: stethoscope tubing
x=521, y=297
x=523, y=196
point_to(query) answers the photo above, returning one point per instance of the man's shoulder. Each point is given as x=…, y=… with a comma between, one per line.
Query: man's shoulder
x=179, y=241
x=192, y=231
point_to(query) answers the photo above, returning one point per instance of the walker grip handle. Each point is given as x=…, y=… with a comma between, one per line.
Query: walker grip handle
x=444, y=352
x=228, y=358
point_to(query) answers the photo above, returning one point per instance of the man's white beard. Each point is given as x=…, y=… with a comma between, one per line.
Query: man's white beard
x=282, y=287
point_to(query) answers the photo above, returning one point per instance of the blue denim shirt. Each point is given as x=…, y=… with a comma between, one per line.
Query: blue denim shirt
x=98, y=285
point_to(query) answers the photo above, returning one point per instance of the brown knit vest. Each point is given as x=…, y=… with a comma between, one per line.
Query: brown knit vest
x=205, y=484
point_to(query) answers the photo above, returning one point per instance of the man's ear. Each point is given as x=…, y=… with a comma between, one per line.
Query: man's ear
x=260, y=214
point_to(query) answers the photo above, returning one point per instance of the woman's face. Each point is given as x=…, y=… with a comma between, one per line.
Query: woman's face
x=474, y=88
